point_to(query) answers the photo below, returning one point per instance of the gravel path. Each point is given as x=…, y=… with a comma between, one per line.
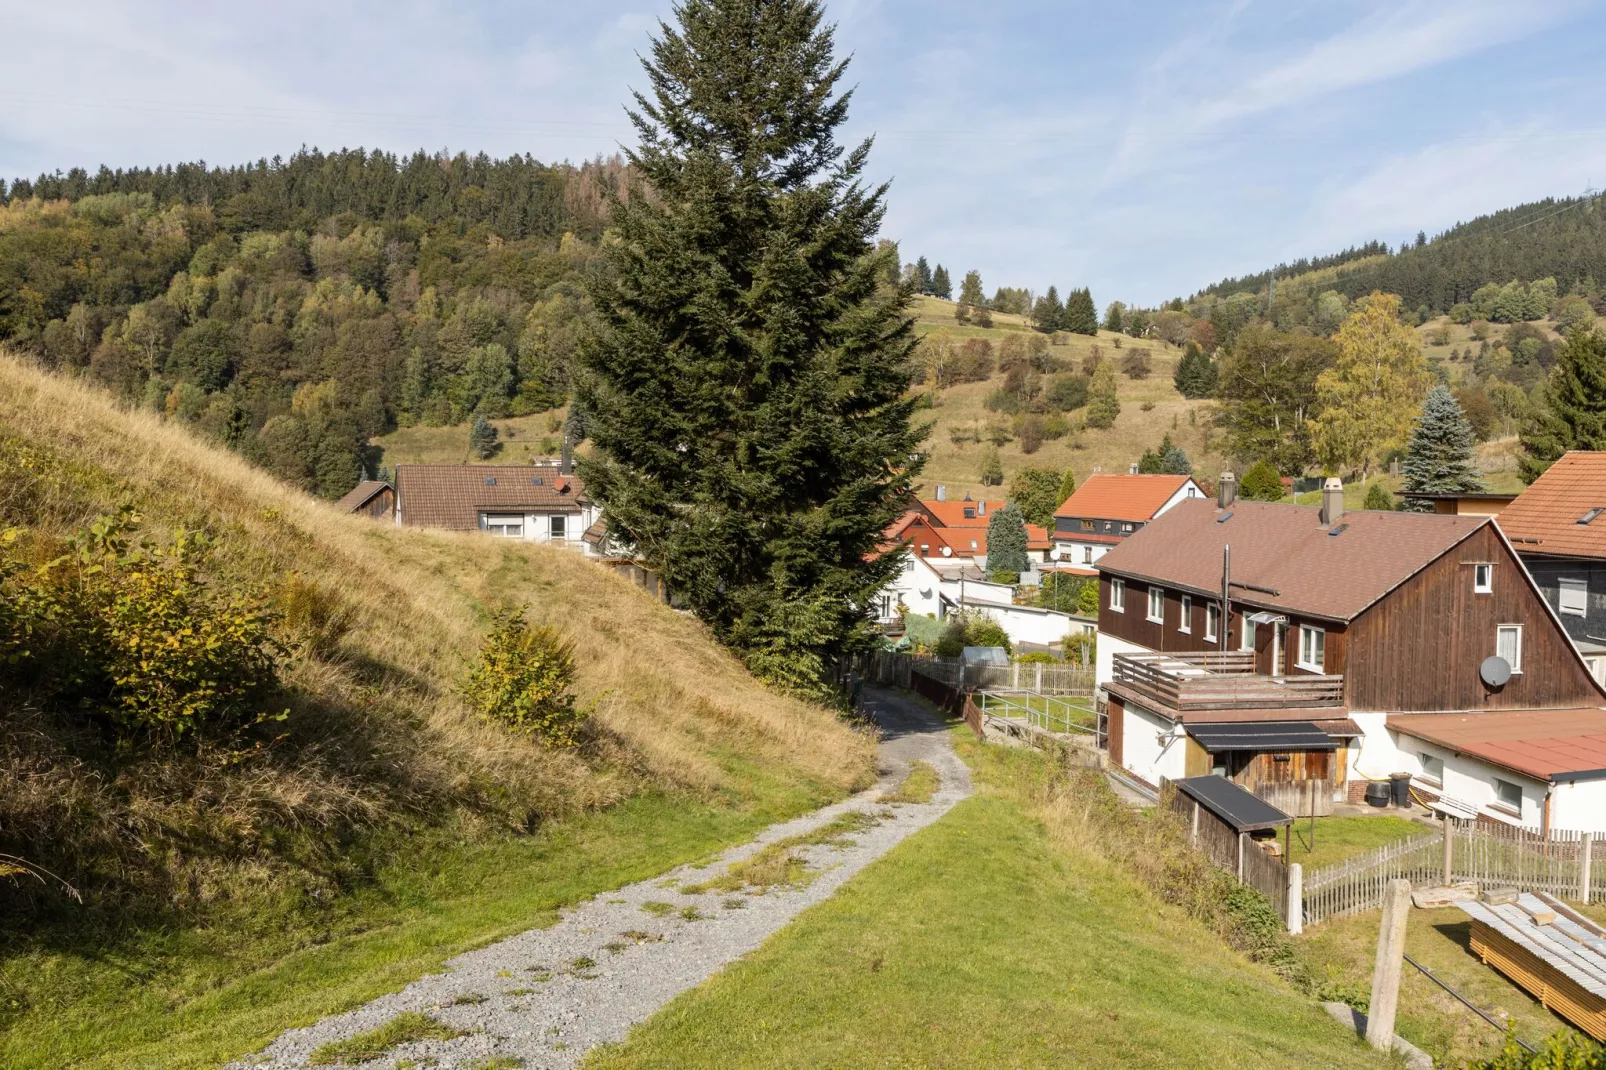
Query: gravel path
x=548, y=995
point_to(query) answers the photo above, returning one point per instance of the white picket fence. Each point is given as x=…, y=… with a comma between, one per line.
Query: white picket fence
x=1558, y=863
x=1037, y=678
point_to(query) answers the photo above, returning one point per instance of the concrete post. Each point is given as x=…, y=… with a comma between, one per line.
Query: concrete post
x=1584, y=850
x=1390, y=960
x=1195, y=837
x=1014, y=675
x=1296, y=898
x=1242, y=836
x=1449, y=852
x=1037, y=678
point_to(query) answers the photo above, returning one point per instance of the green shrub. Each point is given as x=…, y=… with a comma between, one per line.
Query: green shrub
x=1261, y=483
x=1561, y=1051
x=522, y=681
x=1037, y=657
x=970, y=627
x=134, y=633
x=1002, y=576
x=1075, y=645
x=1378, y=497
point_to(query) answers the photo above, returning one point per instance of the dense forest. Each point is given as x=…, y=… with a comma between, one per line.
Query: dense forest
x=294, y=308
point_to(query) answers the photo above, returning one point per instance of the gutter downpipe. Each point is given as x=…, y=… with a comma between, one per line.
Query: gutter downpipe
x=1226, y=595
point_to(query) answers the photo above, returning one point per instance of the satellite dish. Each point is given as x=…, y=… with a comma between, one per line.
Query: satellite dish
x=1494, y=671
x=1055, y=553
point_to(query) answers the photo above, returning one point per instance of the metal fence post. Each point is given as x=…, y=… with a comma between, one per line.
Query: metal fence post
x=1296, y=898
x=1585, y=845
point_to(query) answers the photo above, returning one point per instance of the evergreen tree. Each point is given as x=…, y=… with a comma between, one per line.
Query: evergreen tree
x=1048, y=313
x=1103, y=396
x=1438, y=459
x=1036, y=492
x=1006, y=541
x=1196, y=373
x=738, y=301
x=923, y=275
x=1067, y=486
x=482, y=436
x=940, y=284
x=970, y=291
x=992, y=468
x=1261, y=483
x=1378, y=497
x=1173, y=461
x=1081, y=317
x=1574, y=414
x=1115, y=317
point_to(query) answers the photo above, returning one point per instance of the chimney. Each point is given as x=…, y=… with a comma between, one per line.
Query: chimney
x=1227, y=493
x=942, y=492
x=1132, y=470
x=1332, y=501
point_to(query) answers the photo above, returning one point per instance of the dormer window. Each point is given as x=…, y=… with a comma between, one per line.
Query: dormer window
x=970, y=513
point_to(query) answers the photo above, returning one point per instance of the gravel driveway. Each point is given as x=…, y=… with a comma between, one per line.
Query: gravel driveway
x=548, y=995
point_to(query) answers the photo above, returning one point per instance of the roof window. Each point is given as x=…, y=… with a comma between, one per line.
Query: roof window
x=490, y=481
x=1339, y=530
x=536, y=481
x=1223, y=518
x=1591, y=515
x=970, y=514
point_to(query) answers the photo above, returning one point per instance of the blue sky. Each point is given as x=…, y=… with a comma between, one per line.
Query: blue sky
x=1141, y=149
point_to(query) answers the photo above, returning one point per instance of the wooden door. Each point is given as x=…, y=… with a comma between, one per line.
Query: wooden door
x=1197, y=759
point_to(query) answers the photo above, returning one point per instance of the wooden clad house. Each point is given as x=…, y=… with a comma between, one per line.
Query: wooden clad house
x=1287, y=647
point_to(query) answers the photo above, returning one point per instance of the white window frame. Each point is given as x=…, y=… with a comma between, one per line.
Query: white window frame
x=1160, y=592
x=1312, y=639
x=1580, y=604
x=1127, y=529
x=1500, y=802
x=1186, y=623
x=1117, y=595
x=558, y=526
x=1483, y=578
x=504, y=526
x=1516, y=629
x=1429, y=763
x=1212, y=621
x=1246, y=639
x=1087, y=555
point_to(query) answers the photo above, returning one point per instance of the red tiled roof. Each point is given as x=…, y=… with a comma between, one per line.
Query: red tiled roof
x=361, y=495
x=1544, y=518
x=951, y=514
x=1121, y=496
x=1037, y=538
x=453, y=495
x=1285, y=548
x=1548, y=744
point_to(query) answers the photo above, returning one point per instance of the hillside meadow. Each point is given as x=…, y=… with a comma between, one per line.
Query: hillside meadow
x=253, y=876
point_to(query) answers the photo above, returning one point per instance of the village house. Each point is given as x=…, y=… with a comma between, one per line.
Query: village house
x=960, y=528
x=1108, y=508
x=373, y=498
x=1303, y=652
x=1558, y=526
x=536, y=503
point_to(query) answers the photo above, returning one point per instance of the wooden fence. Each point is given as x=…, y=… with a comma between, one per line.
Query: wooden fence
x=1040, y=678
x=1237, y=852
x=1558, y=863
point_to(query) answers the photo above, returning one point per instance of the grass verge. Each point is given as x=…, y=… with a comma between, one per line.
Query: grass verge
x=985, y=940
x=918, y=786
x=406, y=1028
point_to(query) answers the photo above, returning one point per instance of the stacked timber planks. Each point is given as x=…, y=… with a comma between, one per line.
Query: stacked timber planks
x=1558, y=955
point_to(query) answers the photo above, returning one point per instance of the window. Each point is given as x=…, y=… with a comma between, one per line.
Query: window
x=1482, y=579
x=1157, y=604
x=1312, y=648
x=505, y=527
x=884, y=605
x=1117, y=595
x=1126, y=529
x=1087, y=555
x=970, y=512
x=560, y=526
x=1087, y=525
x=1574, y=597
x=1508, y=644
x=1212, y=620
x=1248, y=640
x=1432, y=769
x=1508, y=796
x=1185, y=624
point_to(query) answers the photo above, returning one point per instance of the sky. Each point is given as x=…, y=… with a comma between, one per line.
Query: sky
x=1143, y=150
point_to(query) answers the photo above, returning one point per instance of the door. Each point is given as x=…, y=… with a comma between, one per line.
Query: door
x=1196, y=760
x=1265, y=641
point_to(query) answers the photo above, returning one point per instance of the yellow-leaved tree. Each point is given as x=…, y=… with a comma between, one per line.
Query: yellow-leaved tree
x=1367, y=399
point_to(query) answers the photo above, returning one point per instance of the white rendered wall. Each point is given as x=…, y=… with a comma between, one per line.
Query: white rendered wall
x=1149, y=747
x=1108, y=647
x=1579, y=806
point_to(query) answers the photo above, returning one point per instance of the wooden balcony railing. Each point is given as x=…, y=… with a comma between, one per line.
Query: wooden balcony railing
x=1182, y=682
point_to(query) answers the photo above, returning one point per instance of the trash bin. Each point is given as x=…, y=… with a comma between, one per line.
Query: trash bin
x=1401, y=785
x=1377, y=794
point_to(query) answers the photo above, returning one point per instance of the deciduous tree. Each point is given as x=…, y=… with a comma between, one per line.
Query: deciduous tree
x=1036, y=492
x=1369, y=396
x=1103, y=396
x=1267, y=388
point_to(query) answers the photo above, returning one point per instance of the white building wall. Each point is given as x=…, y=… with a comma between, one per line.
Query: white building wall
x=1024, y=624
x=1579, y=806
x=1470, y=781
x=1150, y=746
x=1109, y=646
x=1078, y=553
x=917, y=587
x=1190, y=489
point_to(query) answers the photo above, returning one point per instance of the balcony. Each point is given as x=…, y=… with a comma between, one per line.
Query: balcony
x=1198, y=681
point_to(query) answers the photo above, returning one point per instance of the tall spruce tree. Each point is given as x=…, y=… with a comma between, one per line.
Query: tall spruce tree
x=746, y=375
x=1196, y=373
x=1081, y=317
x=1103, y=396
x=941, y=285
x=923, y=273
x=1438, y=458
x=1574, y=416
x=1006, y=541
x=482, y=436
x=1067, y=486
x=1048, y=313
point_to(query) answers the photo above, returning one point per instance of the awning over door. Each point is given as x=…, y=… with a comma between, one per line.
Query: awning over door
x=1261, y=736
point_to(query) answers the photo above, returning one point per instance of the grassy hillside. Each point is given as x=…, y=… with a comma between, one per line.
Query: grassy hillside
x=240, y=881
x=521, y=440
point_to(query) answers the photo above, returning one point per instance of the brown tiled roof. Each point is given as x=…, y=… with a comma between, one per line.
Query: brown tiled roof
x=1121, y=496
x=1548, y=744
x=951, y=514
x=1285, y=548
x=361, y=495
x=1544, y=518
x=453, y=495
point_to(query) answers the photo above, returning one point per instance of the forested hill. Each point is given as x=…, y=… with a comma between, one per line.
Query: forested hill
x=1563, y=240
x=293, y=308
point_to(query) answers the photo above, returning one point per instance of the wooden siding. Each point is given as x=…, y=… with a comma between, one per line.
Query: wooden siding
x=381, y=507
x=1116, y=718
x=1420, y=647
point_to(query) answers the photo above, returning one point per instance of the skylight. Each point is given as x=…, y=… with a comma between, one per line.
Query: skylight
x=1223, y=518
x=1591, y=515
x=490, y=481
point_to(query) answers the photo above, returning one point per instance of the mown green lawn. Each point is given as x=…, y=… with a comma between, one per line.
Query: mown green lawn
x=982, y=942
x=1339, y=838
x=188, y=996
